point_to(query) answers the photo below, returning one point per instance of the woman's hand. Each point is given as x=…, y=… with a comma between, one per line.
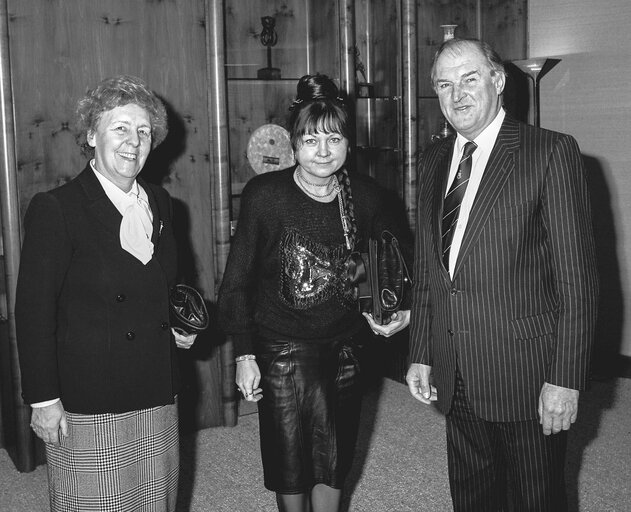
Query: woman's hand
x=398, y=321
x=49, y=422
x=183, y=340
x=248, y=379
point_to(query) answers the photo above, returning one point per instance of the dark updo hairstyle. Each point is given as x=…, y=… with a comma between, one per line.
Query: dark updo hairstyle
x=319, y=108
x=115, y=92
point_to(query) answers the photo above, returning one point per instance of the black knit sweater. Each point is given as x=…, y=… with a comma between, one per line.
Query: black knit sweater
x=284, y=278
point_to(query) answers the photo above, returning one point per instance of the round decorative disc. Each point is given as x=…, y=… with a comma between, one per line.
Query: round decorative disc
x=269, y=149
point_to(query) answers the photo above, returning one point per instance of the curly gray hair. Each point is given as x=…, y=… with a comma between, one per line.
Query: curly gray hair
x=115, y=92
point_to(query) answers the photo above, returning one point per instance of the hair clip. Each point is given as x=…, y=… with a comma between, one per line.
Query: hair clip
x=295, y=103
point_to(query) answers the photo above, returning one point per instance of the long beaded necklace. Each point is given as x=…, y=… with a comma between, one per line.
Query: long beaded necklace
x=346, y=223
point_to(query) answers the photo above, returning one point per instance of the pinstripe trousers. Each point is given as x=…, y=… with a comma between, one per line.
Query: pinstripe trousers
x=492, y=464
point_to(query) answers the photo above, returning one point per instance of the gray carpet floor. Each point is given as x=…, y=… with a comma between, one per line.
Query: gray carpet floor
x=400, y=464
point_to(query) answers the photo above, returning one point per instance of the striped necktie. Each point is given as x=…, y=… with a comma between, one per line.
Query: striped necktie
x=451, y=206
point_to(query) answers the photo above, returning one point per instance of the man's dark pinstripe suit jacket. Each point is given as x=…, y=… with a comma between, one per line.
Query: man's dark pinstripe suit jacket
x=521, y=307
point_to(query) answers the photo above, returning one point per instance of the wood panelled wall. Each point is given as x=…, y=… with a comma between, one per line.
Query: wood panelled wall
x=58, y=49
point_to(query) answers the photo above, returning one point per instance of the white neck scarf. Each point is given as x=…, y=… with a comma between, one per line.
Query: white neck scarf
x=136, y=227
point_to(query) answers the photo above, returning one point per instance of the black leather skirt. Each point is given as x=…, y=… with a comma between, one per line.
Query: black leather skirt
x=309, y=413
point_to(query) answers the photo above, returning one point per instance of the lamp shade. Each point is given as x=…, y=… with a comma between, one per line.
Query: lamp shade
x=537, y=67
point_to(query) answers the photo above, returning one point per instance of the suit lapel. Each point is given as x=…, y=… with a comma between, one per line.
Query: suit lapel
x=155, y=210
x=500, y=166
x=439, y=187
x=97, y=201
x=104, y=210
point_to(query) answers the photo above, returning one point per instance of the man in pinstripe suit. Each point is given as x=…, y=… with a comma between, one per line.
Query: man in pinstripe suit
x=503, y=317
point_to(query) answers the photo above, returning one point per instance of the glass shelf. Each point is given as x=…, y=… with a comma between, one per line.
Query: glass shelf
x=379, y=98
x=261, y=81
x=378, y=148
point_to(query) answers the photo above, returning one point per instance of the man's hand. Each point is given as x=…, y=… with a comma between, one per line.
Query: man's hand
x=47, y=421
x=418, y=383
x=558, y=408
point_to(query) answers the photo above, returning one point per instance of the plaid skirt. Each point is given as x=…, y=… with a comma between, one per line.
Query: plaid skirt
x=116, y=462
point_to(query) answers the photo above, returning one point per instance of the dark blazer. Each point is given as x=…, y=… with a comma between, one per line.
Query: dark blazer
x=92, y=320
x=521, y=308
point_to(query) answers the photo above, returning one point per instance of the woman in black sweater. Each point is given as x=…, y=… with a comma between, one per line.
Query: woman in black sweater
x=291, y=310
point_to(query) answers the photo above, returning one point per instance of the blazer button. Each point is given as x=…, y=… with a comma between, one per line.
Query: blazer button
x=130, y=335
x=164, y=325
x=453, y=291
x=121, y=298
x=450, y=331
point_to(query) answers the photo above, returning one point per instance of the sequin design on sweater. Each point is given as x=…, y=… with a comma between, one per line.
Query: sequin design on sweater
x=312, y=273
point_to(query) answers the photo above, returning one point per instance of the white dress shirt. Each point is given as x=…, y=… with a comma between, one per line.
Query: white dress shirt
x=485, y=142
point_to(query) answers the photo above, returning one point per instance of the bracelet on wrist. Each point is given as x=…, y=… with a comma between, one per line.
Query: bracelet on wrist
x=246, y=357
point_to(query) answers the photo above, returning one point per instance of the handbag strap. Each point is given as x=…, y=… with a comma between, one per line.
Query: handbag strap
x=397, y=248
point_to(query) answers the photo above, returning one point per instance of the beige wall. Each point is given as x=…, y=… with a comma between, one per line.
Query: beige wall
x=588, y=94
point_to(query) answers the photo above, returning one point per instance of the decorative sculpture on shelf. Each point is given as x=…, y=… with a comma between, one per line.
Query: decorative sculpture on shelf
x=445, y=129
x=269, y=38
x=449, y=32
x=364, y=88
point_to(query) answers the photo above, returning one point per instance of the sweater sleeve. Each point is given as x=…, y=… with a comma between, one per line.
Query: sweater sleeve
x=237, y=294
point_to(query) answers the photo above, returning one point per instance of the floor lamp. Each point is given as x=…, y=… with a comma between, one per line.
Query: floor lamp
x=536, y=69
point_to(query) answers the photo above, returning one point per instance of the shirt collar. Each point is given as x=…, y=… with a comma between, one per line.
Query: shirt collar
x=120, y=198
x=486, y=139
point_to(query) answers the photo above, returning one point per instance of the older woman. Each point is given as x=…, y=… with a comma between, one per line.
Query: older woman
x=92, y=312
x=292, y=312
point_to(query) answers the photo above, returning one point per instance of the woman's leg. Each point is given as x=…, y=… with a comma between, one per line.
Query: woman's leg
x=293, y=503
x=325, y=498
